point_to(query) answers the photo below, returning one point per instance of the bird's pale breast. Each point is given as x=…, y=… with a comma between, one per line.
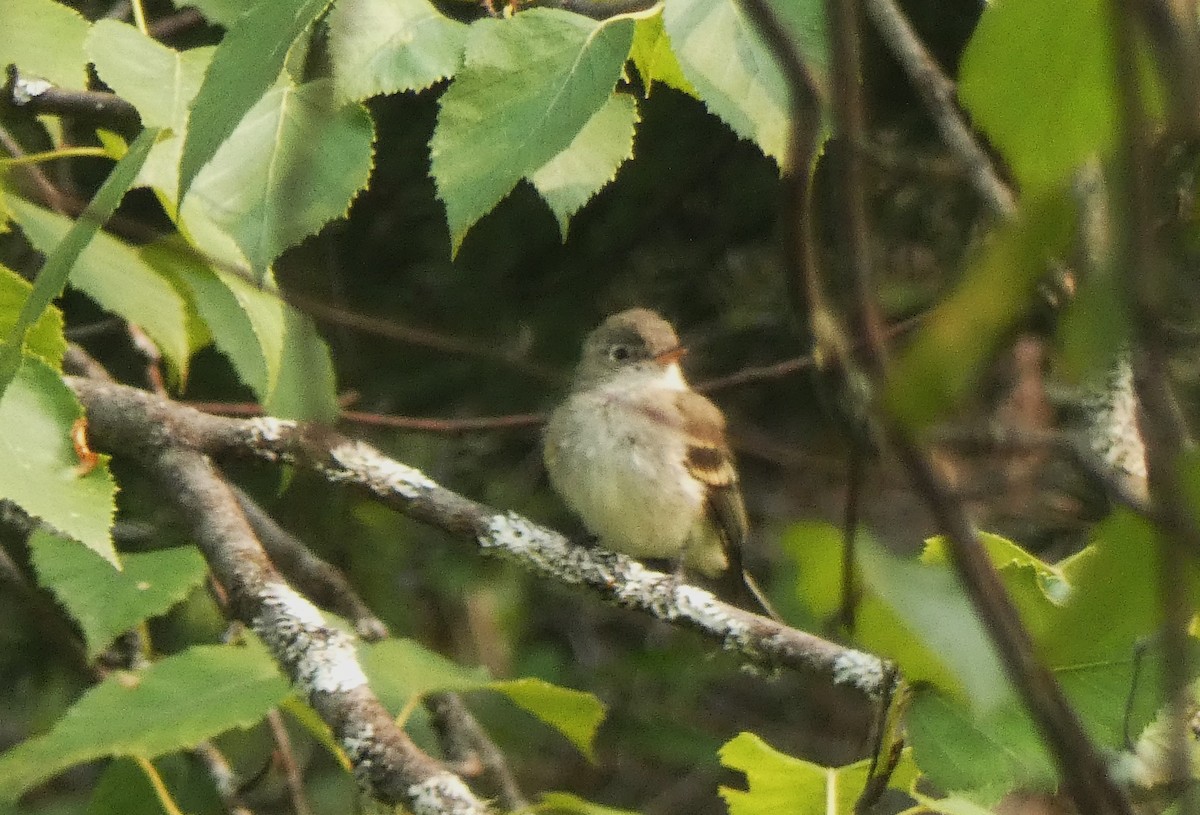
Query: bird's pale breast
x=629, y=484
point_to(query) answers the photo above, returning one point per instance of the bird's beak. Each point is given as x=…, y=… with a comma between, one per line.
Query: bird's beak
x=671, y=355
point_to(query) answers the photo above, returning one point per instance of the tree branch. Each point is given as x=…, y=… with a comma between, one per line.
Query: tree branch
x=127, y=421
x=313, y=576
x=939, y=95
x=463, y=738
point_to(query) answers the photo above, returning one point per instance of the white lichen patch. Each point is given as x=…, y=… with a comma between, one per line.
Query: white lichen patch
x=444, y=794
x=266, y=432
x=860, y=670
x=358, y=743
x=361, y=463
x=322, y=658
x=547, y=551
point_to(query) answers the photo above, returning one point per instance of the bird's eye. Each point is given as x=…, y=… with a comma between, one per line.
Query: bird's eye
x=618, y=353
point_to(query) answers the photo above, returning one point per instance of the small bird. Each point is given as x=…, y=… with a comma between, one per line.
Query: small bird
x=642, y=458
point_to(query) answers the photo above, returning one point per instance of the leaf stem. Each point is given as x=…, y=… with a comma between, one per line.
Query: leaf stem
x=139, y=17
x=160, y=789
x=51, y=155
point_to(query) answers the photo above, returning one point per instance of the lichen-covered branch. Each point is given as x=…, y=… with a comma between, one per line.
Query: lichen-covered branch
x=129, y=421
x=320, y=660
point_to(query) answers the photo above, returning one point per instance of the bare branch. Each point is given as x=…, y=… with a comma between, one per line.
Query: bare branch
x=134, y=422
x=463, y=738
x=939, y=95
x=317, y=579
x=36, y=96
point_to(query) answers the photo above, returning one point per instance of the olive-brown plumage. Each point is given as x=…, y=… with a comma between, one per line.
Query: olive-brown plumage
x=641, y=457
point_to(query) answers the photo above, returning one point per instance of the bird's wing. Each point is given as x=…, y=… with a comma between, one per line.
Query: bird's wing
x=710, y=462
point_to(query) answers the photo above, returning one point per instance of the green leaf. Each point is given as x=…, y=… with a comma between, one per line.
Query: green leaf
x=143, y=72
x=307, y=386
x=45, y=337
x=172, y=705
x=385, y=46
x=247, y=322
x=1039, y=77
x=816, y=547
x=528, y=86
x=575, y=714
x=246, y=64
x=925, y=622
x=1114, y=601
x=944, y=362
x=160, y=83
x=400, y=670
x=38, y=462
x=293, y=164
x=113, y=274
x=570, y=179
x=653, y=58
x=734, y=72
x=983, y=757
x=107, y=603
x=45, y=39
x=1089, y=638
x=564, y=803
x=780, y=783
x=124, y=789
x=67, y=248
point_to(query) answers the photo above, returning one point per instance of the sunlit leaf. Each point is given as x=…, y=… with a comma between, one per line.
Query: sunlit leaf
x=45, y=337
x=780, y=783
x=590, y=161
x=246, y=63
x=110, y=272
x=247, y=322
x=38, y=463
x=575, y=714
x=306, y=389
x=654, y=59
x=527, y=87
x=385, y=46
x=105, y=602
x=733, y=71
x=160, y=82
x=294, y=163
x=44, y=39
x=1039, y=77
x=140, y=714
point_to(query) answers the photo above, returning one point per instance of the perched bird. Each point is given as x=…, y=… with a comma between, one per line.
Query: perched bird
x=642, y=458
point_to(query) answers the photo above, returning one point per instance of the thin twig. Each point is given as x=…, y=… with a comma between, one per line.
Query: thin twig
x=515, y=421
x=939, y=95
x=462, y=736
x=287, y=759
x=50, y=193
x=319, y=581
